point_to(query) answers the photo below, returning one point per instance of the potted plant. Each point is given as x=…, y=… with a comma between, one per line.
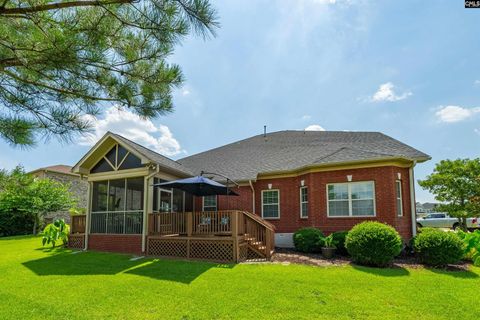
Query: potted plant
x=328, y=248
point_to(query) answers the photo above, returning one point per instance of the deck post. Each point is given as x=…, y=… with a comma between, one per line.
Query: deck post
x=236, y=251
x=189, y=223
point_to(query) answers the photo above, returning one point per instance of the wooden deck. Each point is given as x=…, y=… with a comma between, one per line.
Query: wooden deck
x=230, y=236
x=226, y=236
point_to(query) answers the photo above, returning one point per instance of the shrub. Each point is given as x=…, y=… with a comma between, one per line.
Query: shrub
x=438, y=248
x=56, y=231
x=373, y=243
x=339, y=239
x=308, y=240
x=471, y=241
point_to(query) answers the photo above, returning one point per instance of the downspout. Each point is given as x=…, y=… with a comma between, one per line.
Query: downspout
x=412, y=199
x=253, y=196
x=146, y=200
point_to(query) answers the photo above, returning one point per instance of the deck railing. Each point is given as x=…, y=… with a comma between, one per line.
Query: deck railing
x=78, y=223
x=191, y=223
x=167, y=223
x=117, y=222
x=258, y=232
x=239, y=225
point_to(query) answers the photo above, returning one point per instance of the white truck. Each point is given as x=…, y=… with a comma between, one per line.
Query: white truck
x=443, y=220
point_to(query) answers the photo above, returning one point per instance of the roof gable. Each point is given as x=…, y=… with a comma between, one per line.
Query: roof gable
x=104, y=145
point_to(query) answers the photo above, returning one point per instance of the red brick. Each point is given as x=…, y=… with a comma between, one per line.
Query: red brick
x=116, y=243
x=290, y=221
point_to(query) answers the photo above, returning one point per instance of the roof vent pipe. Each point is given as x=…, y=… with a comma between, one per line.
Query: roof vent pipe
x=264, y=131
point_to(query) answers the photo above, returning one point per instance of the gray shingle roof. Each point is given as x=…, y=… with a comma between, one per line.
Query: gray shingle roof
x=290, y=150
x=154, y=156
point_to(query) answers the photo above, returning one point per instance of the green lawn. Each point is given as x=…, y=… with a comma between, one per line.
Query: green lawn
x=43, y=284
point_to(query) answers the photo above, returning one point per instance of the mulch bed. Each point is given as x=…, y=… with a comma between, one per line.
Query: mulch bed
x=287, y=256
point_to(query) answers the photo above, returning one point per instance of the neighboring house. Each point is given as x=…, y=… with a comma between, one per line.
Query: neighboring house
x=64, y=174
x=292, y=179
x=423, y=209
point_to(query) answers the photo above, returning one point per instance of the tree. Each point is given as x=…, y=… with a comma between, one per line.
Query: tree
x=456, y=184
x=61, y=61
x=25, y=197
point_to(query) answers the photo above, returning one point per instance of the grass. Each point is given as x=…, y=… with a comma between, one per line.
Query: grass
x=38, y=283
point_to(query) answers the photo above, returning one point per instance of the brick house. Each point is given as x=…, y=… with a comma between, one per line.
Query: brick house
x=286, y=180
x=78, y=187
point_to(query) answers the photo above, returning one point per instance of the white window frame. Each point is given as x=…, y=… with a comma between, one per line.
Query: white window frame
x=216, y=204
x=398, y=184
x=278, y=204
x=302, y=216
x=349, y=186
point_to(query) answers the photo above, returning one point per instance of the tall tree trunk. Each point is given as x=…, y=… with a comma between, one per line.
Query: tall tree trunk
x=35, y=224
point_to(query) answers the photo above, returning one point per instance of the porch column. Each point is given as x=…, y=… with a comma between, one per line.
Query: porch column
x=88, y=213
x=147, y=207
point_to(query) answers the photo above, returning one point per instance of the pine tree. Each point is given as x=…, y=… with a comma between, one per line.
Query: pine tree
x=62, y=60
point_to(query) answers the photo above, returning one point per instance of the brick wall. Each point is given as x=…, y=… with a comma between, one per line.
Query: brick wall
x=116, y=243
x=290, y=221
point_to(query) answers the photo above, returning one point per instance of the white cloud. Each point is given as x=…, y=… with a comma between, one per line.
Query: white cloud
x=306, y=117
x=314, y=127
x=386, y=92
x=476, y=83
x=185, y=92
x=477, y=131
x=135, y=128
x=455, y=113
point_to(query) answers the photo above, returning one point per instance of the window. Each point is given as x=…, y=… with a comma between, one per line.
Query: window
x=303, y=202
x=352, y=199
x=271, y=204
x=398, y=187
x=210, y=203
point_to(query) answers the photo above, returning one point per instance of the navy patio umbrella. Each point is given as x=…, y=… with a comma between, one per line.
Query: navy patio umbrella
x=198, y=186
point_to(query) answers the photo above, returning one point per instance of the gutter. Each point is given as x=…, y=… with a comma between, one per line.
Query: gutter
x=253, y=195
x=302, y=169
x=412, y=199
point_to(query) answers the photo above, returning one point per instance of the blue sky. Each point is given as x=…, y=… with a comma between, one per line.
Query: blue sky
x=406, y=68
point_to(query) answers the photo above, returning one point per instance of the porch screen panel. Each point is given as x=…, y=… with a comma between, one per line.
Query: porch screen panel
x=117, y=206
x=134, y=203
x=135, y=194
x=99, y=196
x=99, y=206
x=116, y=201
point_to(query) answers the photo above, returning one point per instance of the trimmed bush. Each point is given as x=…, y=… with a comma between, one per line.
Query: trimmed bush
x=373, y=243
x=438, y=248
x=339, y=239
x=308, y=240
